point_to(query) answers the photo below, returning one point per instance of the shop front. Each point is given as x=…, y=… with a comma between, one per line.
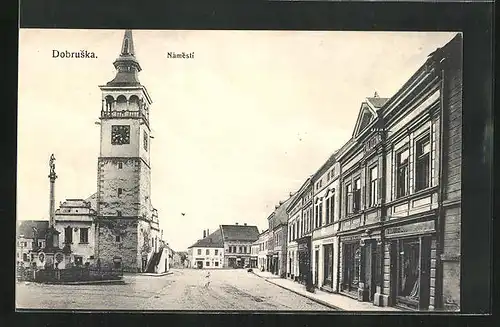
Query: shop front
x=350, y=265
x=304, y=252
x=328, y=267
x=412, y=259
x=371, y=266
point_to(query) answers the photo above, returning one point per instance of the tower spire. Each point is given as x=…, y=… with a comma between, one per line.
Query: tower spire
x=126, y=64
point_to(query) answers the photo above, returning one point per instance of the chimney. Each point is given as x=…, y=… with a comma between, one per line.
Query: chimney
x=204, y=233
x=236, y=223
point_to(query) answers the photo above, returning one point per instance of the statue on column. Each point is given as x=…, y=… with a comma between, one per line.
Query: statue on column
x=52, y=165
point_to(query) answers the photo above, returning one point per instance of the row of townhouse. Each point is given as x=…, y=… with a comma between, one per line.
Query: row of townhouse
x=380, y=220
x=230, y=246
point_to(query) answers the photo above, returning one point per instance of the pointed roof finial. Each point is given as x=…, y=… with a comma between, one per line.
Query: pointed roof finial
x=126, y=64
x=375, y=95
x=127, y=44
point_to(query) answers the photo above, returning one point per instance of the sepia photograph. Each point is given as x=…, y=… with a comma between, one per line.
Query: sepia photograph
x=239, y=170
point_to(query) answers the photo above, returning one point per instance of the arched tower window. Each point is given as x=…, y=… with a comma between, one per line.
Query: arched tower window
x=109, y=102
x=134, y=102
x=121, y=102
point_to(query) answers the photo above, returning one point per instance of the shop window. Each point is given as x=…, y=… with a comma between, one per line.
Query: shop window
x=408, y=269
x=402, y=173
x=373, y=186
x=328, y=265
x=351, y=264
x=423, y=160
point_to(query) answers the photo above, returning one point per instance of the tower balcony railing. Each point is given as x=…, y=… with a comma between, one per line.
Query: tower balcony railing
x=123, y=114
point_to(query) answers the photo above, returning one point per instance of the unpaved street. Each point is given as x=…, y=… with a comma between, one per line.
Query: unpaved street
x=183, y=290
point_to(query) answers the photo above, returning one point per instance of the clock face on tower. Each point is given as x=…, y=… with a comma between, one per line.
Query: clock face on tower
x=120, y=134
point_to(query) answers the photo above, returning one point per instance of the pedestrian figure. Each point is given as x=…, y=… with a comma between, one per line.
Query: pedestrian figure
x=207, y=283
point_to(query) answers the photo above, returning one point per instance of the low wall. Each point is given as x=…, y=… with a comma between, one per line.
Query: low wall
x=73, y=274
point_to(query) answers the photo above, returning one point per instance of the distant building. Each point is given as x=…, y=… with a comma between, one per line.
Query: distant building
x=277, y=241
x=207, y=252
x=30, y=237
x=238, y=241
x=261, y=247
x=325, y=244
x=299, y=225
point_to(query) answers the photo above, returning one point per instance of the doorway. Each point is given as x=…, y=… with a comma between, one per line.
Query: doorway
x=199, y=264
x=316, y=267
x=369, y=253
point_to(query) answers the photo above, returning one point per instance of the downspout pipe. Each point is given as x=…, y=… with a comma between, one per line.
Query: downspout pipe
x=338, y=229
x=441, y=195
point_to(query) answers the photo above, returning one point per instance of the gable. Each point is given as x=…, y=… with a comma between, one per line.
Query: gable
x=365, y=117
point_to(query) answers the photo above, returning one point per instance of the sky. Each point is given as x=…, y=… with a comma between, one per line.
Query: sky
x=236, y=129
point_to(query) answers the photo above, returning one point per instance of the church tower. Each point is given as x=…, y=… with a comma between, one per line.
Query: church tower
x=126, y=221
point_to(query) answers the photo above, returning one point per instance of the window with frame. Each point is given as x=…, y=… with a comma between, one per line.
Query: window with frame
x=327, y=211
x=332, y=206
x=199, y=251
x=423, y=162
x=402, y=159
x=207, y=252
x=68, y=235
x=316, y=212
x=216, y=252
x=357, y=195
x=348, y=192
x=120, y=165
x=84, y=235
x=118, y=238
x=373, y=186
x=320, y=218
x=120, y=191
x=217, y=263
